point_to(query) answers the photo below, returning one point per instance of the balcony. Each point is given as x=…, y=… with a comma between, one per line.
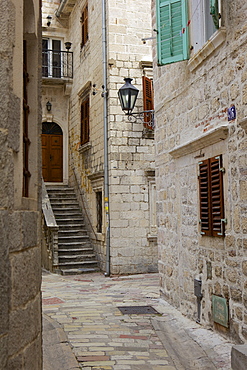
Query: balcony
x=57, y=64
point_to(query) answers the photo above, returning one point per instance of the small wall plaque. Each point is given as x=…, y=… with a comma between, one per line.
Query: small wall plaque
x=220, y=310
x=231, y=113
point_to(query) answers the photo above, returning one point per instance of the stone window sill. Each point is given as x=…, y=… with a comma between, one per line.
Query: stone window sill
x=210, y=138
x=152, y=238
x=83, y=148
x=210, y=46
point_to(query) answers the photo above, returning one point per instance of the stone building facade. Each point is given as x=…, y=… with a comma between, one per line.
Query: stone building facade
x=201, y=234
x=20, y=262
x=79, y=101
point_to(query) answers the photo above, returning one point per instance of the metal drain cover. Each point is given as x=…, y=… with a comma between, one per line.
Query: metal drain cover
x=137, y=310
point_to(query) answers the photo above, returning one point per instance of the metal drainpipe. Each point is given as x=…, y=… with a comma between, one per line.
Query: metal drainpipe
x=106, y=170
x=60, y=8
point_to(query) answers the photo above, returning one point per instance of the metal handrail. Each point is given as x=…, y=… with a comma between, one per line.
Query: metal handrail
x=57, y=63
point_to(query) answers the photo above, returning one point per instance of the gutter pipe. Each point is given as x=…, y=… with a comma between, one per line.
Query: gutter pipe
x=60, y=8
x=106, y=169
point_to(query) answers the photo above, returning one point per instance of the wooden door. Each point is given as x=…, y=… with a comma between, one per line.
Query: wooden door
x=52, y=153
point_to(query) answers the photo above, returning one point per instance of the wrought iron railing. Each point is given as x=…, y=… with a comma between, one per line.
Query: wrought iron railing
x=57, y=64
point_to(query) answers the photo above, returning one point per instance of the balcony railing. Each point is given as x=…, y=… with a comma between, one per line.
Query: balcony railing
x=57, y=64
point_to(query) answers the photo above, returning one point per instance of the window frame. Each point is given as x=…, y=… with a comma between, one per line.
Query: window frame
x=85, y=114
x=148, y=100
x=53, y=56
x=211, y=197
x=203, y=25
x=99, y=210
x=84, y=25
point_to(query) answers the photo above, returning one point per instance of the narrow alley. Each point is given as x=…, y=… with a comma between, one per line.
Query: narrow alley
x=85, y=329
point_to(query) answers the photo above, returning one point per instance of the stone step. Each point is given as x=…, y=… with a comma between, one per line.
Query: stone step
x=71, y=231
x=72, y=238
x=75, y=252
x=64, y=214
x=67, y=225
x=62, y=245
x=78, y=271
x=67, y=251
x=78, y=264
x=63, y=207
x=76, y=258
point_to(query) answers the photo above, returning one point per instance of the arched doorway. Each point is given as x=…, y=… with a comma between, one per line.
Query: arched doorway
x=52, y=152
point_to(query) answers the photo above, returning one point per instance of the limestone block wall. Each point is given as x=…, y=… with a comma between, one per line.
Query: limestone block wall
x=194, y=103
x=131, y=153
x=20, y=272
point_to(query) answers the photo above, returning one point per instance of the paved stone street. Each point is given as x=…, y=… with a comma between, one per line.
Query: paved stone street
x=85, y=308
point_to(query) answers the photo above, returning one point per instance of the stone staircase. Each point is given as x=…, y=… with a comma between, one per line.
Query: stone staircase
x=75, y=253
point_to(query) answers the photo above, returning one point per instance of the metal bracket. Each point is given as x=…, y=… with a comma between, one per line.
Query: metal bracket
x=141, y=116
x=221, y=226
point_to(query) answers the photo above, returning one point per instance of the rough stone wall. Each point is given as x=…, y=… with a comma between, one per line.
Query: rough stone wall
x=130, y=152
x=193, y=103
x=20, y=273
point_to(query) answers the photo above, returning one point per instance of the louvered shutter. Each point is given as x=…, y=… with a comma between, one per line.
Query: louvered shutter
x=148, y=102
x=172, y=38
x=217, y=206
x=205, y=204
x=211, y=197
x=214, y=11
x=85, y=122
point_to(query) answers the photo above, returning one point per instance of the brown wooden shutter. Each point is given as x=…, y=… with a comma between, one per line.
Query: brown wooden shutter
x=217, y=199
x=211, y=197
x=148, y=101
x=85, y=122
x=205, y=205
x=84, y=27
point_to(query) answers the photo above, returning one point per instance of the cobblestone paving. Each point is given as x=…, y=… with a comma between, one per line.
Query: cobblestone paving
x=100, y=335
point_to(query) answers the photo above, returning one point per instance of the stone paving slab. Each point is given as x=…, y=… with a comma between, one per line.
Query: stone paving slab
x=101, y=337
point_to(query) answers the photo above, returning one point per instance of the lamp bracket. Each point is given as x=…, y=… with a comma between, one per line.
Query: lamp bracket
x=146, y=117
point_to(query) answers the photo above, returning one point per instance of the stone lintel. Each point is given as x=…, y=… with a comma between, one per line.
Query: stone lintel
x=209, y=138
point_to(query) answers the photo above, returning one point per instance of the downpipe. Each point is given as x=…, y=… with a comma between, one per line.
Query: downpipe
x=106, y=169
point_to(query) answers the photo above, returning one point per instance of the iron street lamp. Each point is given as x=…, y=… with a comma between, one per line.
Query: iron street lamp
x=68, y=45
x=48, y=106
x=127, y=95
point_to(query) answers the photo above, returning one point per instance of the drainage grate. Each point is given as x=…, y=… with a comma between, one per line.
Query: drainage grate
x=137, y=310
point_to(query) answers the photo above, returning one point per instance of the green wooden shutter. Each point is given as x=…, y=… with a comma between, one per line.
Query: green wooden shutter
x=172, y=35
x=214, y=11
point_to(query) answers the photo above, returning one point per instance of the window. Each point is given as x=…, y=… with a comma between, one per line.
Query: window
x=51, y=58
x=148, y=101
x=204, y=23
x=211, y=197
x=84, y=26
x=172, y=37
x=85, y=122
x=174, y=22
x=99, y=211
